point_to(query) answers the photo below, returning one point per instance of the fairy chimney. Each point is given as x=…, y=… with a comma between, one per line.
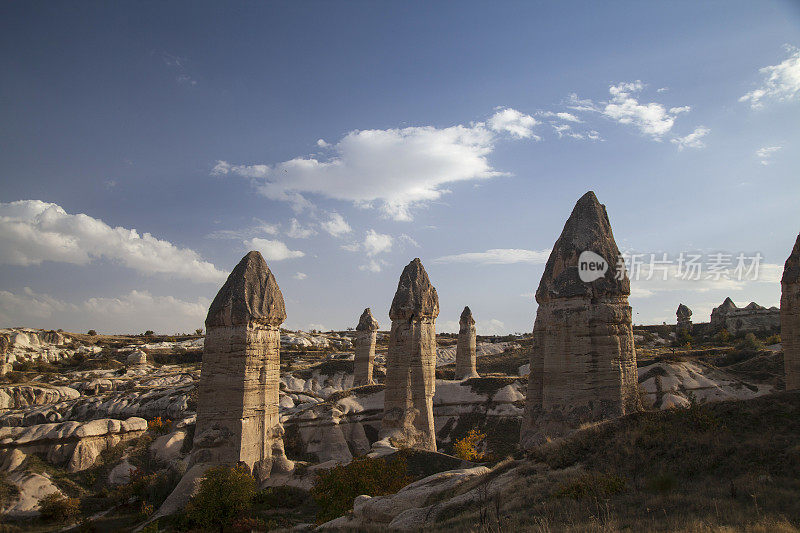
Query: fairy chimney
x=366, y=334
x=467, y=347
x=411, y=362
x=237, y=408
x=790, y=317
x=583, y=362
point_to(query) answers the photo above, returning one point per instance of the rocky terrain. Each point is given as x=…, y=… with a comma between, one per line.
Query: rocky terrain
x=88, y=406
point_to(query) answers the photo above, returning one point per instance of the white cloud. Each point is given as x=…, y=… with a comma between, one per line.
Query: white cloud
x=408, y=239
x=491, y=327
x=651, y=118
x=32, y=231
x=512, y=121
x=641, y=287
x=322, y=144
x=376, y=243
x=393, y=169
x=693, y=140
x=258, y=228
x=273, y=250
x=352, y=247
x=336, y=225
x=781, y=82
x=134, y=312
x=374, y=265
x=765, y=154
x=297, y=231
x=498, y=256
x=569, y=117
x=300, y=275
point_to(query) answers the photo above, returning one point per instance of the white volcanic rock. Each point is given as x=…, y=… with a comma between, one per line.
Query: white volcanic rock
x=399, y=512
x=32, y=488
x=446, y=355
x=75, y=444
x=121, y=473
x=168, y=447
x=20, y=396
x=667, y=385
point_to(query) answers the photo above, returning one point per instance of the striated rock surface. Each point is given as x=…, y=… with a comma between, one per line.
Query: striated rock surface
x=583, y=363
x=249, y=296
x=366, y=335
x=411, y=362
x=790, y=317
x=73, y=444
x=20, y=396
x=752, y=318
x=237, y=415
x=466, y=348
x=684, y=315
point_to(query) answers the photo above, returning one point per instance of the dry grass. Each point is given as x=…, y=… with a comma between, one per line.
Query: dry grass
x=732, y=466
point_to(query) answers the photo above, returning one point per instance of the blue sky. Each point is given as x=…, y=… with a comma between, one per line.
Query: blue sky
x=344, y=139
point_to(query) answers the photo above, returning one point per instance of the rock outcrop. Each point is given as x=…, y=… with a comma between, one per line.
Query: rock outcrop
x=684, y=315
x=366, y=335
x=467, y=346
x=790, y=317
x=411, y=362
x=583, y=363
x=237, y=415
x=137, y=358
x=74, y=445
x=752, y=318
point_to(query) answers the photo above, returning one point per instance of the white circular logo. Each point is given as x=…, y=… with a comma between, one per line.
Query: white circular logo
x=591, y=266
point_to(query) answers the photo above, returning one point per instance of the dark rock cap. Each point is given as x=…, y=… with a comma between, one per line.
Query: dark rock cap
x=683, y=311
x=250, y=294
x=726, y=306
x=466, y=317
x=791, y=270
x=367, y=322
x=587, y=229
x=415, y=296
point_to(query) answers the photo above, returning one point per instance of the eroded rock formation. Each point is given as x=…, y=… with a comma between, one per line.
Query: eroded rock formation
x=684, y=315
x=366, y=335
x=74, y=445
x=583, y=363
x=237, y=415
x=466, y=347
x=790, y=317
x=752, y=318
x=411, y=362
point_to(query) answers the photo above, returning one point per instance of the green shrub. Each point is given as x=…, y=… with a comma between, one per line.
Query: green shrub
x=8, y=491
x=750, y=344
x=149, y=333
x=56, y=507
x=722, y=336
x=92, y=332
x=591, y=485
x=224, y=493
x=335, y=489
x=772, y=339
x=284, y=497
